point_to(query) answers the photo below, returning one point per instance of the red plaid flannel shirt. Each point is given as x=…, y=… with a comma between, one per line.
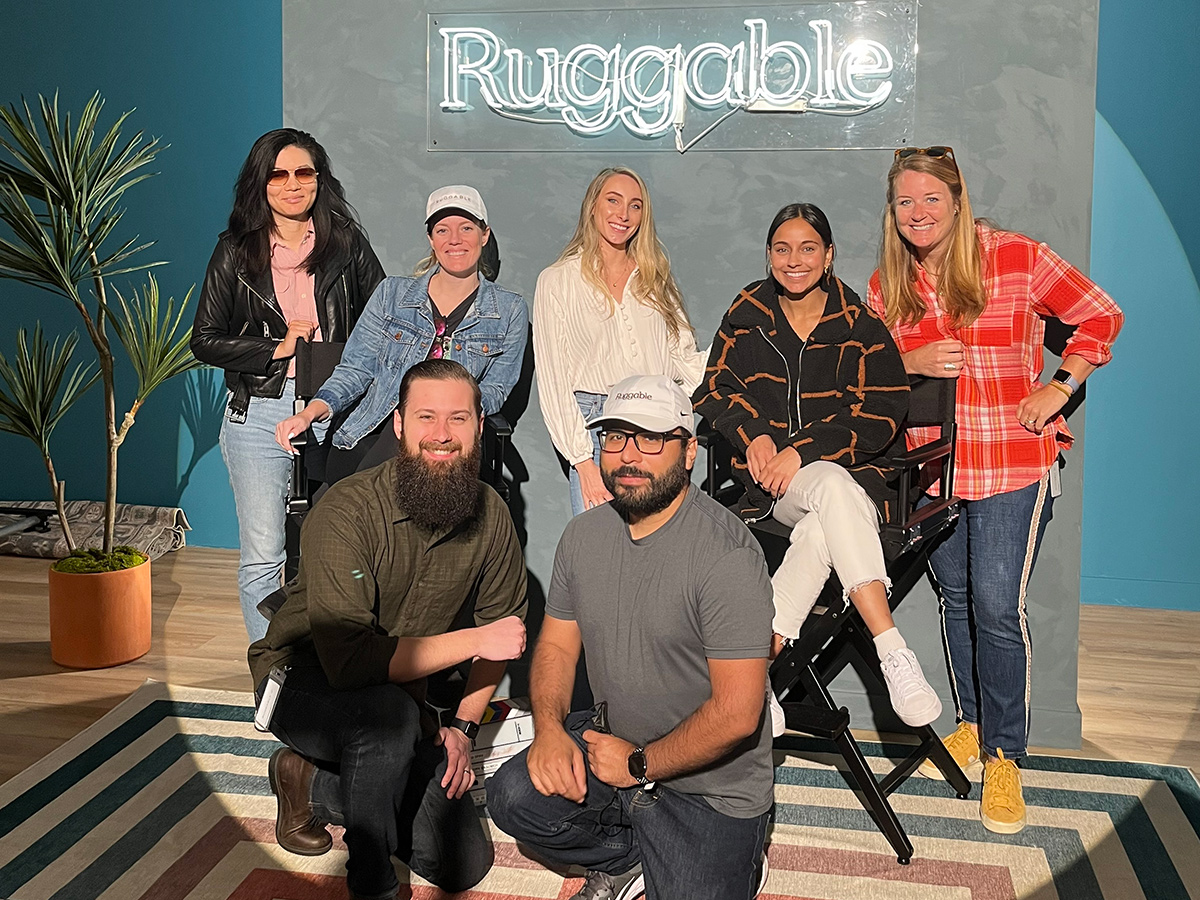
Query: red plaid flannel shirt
x=1025, y=280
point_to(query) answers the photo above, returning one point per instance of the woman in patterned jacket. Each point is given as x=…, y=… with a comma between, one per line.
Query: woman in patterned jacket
x=806, y=383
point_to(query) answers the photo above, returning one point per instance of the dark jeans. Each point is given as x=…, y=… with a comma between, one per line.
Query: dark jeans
x=688, y=850
x=982, y=571
x=379, y=778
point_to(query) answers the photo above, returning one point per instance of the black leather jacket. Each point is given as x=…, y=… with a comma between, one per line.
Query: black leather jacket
x=239, y=322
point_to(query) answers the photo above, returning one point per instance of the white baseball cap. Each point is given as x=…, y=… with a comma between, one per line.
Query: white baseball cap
x=456, y=196
x=651, y=402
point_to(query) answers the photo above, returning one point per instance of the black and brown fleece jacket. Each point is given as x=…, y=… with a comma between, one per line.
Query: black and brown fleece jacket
x=842, y=399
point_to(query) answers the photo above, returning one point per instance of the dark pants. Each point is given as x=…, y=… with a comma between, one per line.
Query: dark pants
x=687, y=848
x=379, y=778
x=982, y=571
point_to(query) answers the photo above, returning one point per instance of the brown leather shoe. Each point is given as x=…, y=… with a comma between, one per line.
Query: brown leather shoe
x=296, y=828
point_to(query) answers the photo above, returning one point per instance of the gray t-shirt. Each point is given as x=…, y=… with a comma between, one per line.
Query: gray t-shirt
x=652, y=612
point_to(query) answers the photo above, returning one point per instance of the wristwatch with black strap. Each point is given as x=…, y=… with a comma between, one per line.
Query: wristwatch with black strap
x=467, y=727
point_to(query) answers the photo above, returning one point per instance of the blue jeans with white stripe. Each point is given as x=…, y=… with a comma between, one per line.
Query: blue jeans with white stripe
x=982, y=572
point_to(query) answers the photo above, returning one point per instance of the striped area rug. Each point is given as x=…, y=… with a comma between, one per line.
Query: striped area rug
x=166, y=798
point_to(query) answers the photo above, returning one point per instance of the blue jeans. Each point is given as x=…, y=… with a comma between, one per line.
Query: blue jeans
x=590, y=405
x=259, y=472
x=686, y=848
x=379, y=778
x=982, y=572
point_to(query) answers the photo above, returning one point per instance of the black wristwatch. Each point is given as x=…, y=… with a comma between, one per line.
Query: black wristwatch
x=637, y=765
x=470, y=729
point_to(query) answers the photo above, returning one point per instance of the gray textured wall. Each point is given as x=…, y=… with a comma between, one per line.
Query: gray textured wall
x=1010, y=85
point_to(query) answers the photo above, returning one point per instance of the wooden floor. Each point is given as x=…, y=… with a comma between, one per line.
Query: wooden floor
x=1139, y=672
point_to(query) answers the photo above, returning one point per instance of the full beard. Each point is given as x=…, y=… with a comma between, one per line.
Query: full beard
x=437, y=495
x=653, y=497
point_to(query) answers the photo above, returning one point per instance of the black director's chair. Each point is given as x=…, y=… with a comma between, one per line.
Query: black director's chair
x=315, y=362
x=834, y=635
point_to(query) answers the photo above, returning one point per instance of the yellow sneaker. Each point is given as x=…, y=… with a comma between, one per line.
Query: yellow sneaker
x=964, y=747
x=1003, y=807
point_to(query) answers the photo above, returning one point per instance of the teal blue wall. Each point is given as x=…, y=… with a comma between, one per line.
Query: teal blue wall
x=1142, y=490
x=207, y=79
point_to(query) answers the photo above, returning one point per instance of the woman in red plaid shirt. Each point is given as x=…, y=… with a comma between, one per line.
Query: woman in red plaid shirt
x=965, y=300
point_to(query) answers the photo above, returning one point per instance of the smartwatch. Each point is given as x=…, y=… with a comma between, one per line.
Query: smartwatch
x=470, y=729
x=1062, y=376
x=637, y=766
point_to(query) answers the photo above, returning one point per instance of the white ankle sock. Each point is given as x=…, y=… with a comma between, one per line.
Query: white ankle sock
x=888, y=641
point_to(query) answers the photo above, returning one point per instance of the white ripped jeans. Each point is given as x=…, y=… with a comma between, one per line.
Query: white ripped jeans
x=834, y=526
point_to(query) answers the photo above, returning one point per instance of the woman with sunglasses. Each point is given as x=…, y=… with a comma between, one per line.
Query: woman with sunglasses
x=807, y=385
x=607, y=309
x=294, y=264
x=449, y=309
x=965, y=300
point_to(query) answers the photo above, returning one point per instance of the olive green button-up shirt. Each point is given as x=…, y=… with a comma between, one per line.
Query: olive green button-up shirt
x=370, y=575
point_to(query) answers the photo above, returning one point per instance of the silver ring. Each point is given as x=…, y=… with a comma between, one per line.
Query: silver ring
x=949, y=367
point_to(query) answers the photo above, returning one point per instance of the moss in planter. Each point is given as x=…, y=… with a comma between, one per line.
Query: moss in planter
x=83, y=562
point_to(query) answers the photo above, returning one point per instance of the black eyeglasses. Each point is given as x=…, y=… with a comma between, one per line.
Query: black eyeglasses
x=648, y=442
x=304, y=175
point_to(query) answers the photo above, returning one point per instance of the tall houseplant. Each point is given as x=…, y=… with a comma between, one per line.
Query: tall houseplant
x=34, y=399
x=60, y=197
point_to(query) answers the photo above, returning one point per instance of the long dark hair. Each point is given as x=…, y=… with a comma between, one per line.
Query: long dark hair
x=814, y=216
x=251, y=221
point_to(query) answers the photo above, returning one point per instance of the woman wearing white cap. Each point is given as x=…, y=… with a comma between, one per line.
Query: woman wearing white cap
x=449, y=309
x=607, y=309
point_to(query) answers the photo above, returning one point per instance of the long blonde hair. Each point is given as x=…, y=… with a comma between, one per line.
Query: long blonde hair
x=960, y=281
x=655, y=286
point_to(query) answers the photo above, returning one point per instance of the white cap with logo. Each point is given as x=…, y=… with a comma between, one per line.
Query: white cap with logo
x=650, y=402
x=456, y=196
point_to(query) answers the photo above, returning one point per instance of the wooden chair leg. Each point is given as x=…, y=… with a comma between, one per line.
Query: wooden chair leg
x=874, y=800
x=940, y=757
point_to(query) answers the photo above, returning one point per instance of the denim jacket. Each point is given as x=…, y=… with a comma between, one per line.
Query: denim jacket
x=395, y=332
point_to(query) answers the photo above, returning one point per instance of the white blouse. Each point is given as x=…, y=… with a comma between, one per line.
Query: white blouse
x=580, y=345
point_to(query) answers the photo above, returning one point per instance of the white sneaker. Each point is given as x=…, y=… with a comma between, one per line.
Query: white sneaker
x=915, y=702
x=778, y=719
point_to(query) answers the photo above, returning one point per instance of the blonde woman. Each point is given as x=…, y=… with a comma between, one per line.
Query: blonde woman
x=965, y=300
x=607, y=309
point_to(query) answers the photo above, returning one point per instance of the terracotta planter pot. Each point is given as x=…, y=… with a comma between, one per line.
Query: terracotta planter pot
x=101, y=619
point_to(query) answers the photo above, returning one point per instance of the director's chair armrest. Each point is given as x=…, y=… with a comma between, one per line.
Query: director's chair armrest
x=499, y=425
x=912, y=459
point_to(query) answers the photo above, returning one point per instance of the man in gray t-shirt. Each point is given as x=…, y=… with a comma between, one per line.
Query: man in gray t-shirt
x=667, y=783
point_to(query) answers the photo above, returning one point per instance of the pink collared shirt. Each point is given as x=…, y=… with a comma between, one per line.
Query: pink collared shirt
x=295, y=287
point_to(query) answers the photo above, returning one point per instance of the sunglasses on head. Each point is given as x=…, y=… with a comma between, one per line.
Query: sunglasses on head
x=304, y=175
x=935, y=152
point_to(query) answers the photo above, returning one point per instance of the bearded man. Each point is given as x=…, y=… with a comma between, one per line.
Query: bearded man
x=388, y=558
x=664, y=787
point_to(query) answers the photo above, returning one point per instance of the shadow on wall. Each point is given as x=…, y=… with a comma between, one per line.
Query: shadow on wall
x=203, y=409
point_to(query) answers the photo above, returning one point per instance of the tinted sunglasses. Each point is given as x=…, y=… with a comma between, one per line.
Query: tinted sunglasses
x=304, y=175
x=935, y=152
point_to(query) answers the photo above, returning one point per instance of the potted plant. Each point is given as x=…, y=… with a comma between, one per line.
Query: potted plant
x=60, y=193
